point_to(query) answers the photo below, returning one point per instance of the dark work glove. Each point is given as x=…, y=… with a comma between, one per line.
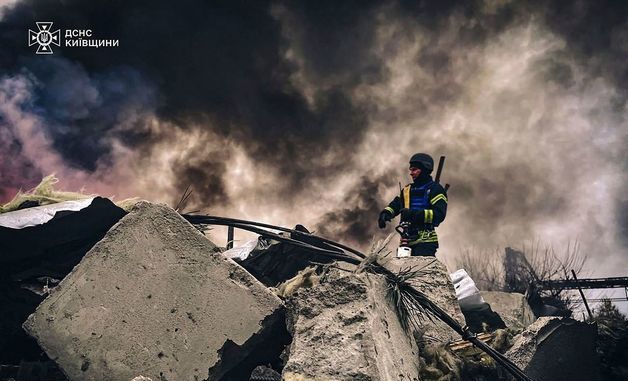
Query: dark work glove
x=384, y=217
x=408, y=215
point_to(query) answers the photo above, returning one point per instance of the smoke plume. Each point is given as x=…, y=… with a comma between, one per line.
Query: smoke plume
x=307, y=113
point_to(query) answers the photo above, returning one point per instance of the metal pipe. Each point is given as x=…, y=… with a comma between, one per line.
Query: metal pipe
x=582, y=295
x=230, y=231
x=207, y=219
x=341, y=255
x=566, y=284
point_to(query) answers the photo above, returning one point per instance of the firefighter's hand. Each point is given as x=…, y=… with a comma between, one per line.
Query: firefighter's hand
x=408, y=215
x=384, y=217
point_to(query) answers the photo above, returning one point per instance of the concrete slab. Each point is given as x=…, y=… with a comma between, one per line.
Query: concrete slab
x=436, y=284
x=345, y=329
x=152, y=298
x=512, y=307
x=557, y=349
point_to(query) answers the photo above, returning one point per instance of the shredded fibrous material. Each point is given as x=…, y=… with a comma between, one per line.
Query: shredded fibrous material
x=43, y=194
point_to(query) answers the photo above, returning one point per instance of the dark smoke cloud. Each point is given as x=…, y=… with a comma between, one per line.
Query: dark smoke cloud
x=520, y=166
x=201, y=162
x=334, y=40
x=597, y=35
x=306, y=112
x=82, y=110
x=596, y=31
x=353, y=218
x=622, y=222
x=222, y=60
x=12, y=167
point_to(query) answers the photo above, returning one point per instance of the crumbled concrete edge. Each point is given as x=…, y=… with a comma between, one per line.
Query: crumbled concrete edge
x=385, y=321
x=557, y=348
x=234, y=353
x=236, y=274
x=525, y=344
x=435, y=283
x=343, y=329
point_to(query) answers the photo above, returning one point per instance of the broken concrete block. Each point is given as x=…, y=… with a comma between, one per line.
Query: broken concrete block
x=152, y=298
x=512, y=307
x=346, y=329
x=557, y=349
x=436, y=284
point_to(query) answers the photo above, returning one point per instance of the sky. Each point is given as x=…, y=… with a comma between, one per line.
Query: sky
x=307, y=112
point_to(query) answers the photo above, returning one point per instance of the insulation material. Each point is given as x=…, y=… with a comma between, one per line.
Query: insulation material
x=42, y=194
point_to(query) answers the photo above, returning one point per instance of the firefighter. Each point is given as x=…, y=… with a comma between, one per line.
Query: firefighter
x=422, y=204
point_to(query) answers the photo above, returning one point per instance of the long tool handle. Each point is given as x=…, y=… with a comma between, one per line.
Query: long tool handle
x=439, y=170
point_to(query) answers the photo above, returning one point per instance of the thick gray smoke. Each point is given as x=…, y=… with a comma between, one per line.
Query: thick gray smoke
x=294, y=113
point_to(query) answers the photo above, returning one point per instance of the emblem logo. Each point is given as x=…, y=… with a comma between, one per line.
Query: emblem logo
x=44, y=37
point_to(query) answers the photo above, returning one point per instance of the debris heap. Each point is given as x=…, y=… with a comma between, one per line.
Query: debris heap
x=555, y=348
x=153, y=298
x=343, y=328
x=145, y=296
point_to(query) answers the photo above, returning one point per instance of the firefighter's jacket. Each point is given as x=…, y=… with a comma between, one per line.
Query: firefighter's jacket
x=429, y=201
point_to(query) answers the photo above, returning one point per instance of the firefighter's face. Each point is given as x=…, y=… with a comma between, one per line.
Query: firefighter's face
x=414, y=172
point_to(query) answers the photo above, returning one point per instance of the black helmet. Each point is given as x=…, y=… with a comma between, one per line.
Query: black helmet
x=422, y=161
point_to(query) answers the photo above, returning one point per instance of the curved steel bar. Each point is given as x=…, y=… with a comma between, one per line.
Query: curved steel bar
x=208, y=219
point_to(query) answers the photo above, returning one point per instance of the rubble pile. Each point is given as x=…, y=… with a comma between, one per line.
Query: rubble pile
x=143, y=295
x=150, y=299
x=39, y=246
x=432, y=280
x=555, y=348
x=343, y=328
x=512, y=307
